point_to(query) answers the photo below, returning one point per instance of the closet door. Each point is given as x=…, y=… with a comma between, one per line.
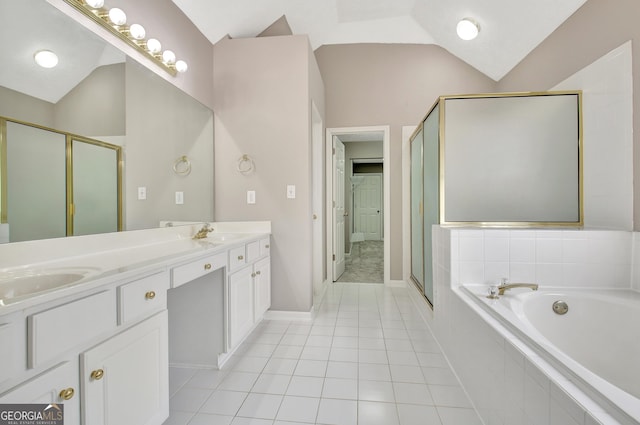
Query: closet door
x=36, y=183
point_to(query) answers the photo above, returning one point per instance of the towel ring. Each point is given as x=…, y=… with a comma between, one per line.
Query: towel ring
x=245, y=165
x=182, y=166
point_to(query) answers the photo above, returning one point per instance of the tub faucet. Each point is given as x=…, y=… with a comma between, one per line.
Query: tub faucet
x=202, y=233
x=505, y=286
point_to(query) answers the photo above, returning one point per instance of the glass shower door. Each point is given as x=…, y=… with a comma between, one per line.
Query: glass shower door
x=417, y=241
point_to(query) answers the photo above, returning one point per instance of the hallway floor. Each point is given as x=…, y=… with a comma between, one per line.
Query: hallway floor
x=368, y=358
x=365, y=264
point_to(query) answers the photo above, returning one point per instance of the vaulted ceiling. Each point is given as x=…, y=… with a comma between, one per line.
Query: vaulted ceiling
x=509, y=29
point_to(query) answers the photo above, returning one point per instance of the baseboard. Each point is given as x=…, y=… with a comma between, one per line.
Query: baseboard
x=290, y=315
x=396, y=283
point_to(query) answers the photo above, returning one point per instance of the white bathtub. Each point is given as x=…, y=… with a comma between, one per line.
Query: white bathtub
x=596, y=344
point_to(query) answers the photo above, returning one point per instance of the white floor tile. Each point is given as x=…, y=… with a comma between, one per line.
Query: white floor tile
x=345, y=342
x=449, y=396
x=346, y=389
x=207, y=419
x=376, y=391
x=432, y=360
x=271, y=384
x=262, y=406
x=280, y=366
x=374, y=372
x=400, y=345
x=316, y=368
x=412, y=414
x=250, y=364
x=407, y=358
x=371, y=344
x=439, y=376
x=346, y=331
x=238, y=381
x=315, y=353
x=342, y=370
x=260, y=350
x=224, y=403
x=319, y=341
x=458, y=416
x=305, y=386
x=188, y=399
x=293, y=339
x=337, y=412
x=178, y=376
x=375, y=413
x=298, y=409
x=287, y=352
x=343, y=354
x=373, y=356
x=207, y=378
x=401, y=373
x=412, y=393
x=319, y=330
x=370, y=332
x=178, y=418
x=251, y=421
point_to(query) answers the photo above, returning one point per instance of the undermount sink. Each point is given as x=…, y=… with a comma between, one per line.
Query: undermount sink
x=15, y=286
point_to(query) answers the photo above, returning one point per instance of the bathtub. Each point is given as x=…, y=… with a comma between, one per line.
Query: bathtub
x=596, y=344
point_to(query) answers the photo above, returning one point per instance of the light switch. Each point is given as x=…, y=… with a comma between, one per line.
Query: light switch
x=179, y=198
x=251, y=196
x=142, y=193
x=291, y=191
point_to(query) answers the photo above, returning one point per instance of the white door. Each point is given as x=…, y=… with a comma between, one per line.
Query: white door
x=338, y=208
x=367, y=206
x=319, y=267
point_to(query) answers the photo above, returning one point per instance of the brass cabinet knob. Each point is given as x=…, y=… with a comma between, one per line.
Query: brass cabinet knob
x=315, y=217
x=240, y=257
x=67, y=393
x=267, y=246
x=97, y=374
x=258, y=272
x=253, y=275
x=207, y=266
x=150, y=295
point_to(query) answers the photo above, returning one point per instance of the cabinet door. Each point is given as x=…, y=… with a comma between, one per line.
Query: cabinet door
x=125, y=379
x=240, y=305
x=262, y=285
x=58, y=385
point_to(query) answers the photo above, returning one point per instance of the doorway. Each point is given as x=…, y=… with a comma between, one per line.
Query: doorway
x=342, y=185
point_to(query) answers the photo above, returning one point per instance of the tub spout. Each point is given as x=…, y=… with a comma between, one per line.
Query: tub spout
x=505, y=286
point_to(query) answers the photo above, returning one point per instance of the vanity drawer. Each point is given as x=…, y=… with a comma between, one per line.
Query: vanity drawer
x=237, y=258
x=253, y=251
x=265, y=247
x=188, y=272
x=56, y=331
x=142, y=297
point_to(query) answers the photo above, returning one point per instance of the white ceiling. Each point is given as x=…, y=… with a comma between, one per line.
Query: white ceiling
x=510, y=29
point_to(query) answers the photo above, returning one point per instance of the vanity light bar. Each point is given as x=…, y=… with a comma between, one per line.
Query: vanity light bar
x=115, y=20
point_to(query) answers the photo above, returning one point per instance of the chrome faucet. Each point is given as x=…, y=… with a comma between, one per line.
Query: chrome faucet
x=202, y=233
x=505, y=286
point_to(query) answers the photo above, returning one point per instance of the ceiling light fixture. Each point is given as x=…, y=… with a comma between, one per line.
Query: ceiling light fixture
x=467, y=29
x=46, y=58
x=115, y=20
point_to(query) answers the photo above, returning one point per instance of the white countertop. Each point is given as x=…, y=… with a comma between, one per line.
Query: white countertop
x=107, y=258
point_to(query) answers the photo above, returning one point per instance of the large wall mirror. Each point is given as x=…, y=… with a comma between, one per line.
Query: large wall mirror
x=100, y=95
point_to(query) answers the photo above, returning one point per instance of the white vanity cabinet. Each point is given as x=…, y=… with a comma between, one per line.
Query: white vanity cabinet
x=59, y=384
x=249, y=288
x=125, y=380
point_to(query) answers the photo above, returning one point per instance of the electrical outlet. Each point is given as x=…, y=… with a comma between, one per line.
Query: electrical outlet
x=142, y=193
x=179, y=198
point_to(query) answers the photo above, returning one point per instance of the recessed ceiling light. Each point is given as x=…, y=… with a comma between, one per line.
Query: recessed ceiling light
x=46, y=58
x=467, y=29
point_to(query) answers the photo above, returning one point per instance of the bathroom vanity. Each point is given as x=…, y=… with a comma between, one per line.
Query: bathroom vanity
x=96, y=328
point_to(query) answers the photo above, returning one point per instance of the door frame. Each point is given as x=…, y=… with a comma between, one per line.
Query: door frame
x=337, y=131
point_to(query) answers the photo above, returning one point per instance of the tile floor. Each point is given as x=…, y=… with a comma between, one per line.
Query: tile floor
x=368, y=358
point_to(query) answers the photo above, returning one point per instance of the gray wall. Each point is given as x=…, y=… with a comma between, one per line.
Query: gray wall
x=263, y=93
x=598, y=27
x=21, y=107
x=395, y=85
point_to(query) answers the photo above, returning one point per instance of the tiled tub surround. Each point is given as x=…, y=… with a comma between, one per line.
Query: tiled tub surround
x=509, y=382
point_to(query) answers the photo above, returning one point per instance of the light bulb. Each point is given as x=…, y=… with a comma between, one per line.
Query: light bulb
x=467, y=29
x=46, y=58
x=95, y=4
x=137, y=31
x=117, y=16
x=154, y=46
x=181, y=66
x=168, y=57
